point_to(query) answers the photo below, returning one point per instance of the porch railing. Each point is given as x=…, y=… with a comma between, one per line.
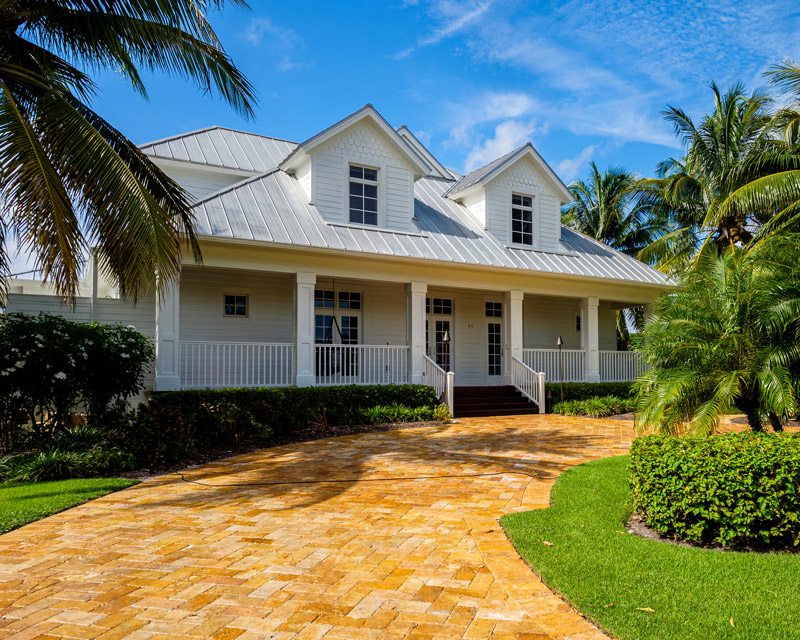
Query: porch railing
x=361, y=364
x=441, y=381
x=621, y=366
x=546, y=360
x=529, y=382
x=236, y=364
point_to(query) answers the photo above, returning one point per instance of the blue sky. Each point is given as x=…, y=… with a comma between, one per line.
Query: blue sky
x=583, y=79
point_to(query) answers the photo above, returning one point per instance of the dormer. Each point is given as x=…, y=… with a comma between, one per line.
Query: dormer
x=517, y=198
x=359, y=172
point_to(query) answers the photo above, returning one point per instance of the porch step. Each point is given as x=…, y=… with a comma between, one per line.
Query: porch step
x=491, y=401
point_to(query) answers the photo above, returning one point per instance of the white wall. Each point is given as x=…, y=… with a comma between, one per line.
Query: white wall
x=544, y=319
x=201, y=183
x=363, y=144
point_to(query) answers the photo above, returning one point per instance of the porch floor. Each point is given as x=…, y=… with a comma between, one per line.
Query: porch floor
x=358, y=548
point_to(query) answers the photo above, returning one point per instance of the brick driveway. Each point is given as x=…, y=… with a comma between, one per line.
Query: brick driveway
x=382, y=552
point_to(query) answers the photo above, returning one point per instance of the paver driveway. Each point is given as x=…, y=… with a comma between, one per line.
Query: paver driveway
x=380, y=550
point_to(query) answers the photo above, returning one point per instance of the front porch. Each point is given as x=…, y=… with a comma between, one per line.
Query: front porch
x=237, y=328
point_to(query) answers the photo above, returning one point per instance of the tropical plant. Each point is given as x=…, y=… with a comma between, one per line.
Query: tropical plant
x=606, y=208
x=729, y=336
x=68, y=178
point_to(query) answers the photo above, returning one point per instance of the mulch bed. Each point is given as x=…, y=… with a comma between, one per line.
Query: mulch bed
x=303, y=435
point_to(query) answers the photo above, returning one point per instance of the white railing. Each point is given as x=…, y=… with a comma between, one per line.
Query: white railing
x=236, y=364
x=361, y=364
x=441, y=381
x=529, y=382
x=546, y=360
x=621, y=366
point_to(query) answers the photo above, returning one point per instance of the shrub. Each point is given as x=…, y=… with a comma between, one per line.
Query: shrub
x=596, y=407
x=51, y=464
x=732, y=489
x=178, y=424
x=395, y=413
x=586, y=390
x=441, y=413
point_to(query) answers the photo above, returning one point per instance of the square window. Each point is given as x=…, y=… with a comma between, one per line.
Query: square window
x=323, y=298
x=442, y=306
x=235, y=306
x=363, y=195
x=494, y=309
x=349, y=300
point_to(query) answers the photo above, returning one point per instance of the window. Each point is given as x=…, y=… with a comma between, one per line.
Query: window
x=235, y=306
x=577, y=323
x=440, y=306
x=363, y=195
x=494, y=309
x=349, y=300
x=521, y=219
x=495, y=349
x=323, y=299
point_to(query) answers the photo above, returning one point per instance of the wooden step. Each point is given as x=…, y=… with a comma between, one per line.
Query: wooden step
x=491, y=401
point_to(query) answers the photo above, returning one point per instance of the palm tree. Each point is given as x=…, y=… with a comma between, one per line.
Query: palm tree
x=730, y=336
x=607, y=209
x=689, y=191
x=68, y=178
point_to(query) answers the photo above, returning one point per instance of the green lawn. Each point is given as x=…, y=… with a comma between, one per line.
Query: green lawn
x=611, y=576
x=24, y=503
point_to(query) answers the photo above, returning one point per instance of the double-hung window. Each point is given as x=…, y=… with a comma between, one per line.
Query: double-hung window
x=363, y=195
x=521, y=219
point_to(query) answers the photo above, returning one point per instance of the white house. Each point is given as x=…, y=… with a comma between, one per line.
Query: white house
x=357, y=257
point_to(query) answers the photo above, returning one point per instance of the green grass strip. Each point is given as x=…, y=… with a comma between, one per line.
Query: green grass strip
x=24, y=503
x=614, y=577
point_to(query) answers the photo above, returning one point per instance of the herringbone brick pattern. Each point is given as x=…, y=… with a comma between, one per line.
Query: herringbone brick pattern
x=380, y=550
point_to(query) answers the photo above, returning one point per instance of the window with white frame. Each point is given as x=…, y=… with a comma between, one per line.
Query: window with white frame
x=234, y=306
x=521, y=219
x=363, y=195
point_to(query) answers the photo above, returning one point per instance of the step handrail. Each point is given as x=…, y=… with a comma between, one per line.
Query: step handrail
x=442, y=381
x=530, y=383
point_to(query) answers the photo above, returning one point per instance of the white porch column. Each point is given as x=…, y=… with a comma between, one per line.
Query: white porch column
x=415, y=330
x=304, y=329
x=512, y=330
x=168, y=346
x=590, y=338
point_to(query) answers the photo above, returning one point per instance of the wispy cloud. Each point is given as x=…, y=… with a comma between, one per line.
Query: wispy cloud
x=453, y=18
x=281, y=42
x=569, y=168
x=507, y=136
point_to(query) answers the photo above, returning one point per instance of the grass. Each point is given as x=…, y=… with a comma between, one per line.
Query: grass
x=24, y=503
x=614, y=577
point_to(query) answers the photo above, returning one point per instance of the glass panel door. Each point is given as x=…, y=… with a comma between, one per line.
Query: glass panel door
x=440, y=350
x=494, y=351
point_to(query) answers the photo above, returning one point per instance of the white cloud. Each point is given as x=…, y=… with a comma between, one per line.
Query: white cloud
x=569, y=168
x=453, y=16
x=262, y=32
x=507, y=136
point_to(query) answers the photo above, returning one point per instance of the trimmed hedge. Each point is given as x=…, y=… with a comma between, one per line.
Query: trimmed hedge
x=178, y=424
x=598, y=407
x=586, y=390
x=733, y=489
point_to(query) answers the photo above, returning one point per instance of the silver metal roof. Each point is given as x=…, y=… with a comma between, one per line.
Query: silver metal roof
x=222, y=147
x=273, y=208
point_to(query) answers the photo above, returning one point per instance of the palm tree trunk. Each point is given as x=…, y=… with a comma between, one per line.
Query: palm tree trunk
x=775, y=421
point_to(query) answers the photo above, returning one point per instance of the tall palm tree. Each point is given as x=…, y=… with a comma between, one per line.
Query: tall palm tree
x=607, y=209
x=730, y=336
x=68, y=178
x=689, y=190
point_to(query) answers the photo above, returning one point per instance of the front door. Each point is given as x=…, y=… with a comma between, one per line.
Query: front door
x=437, y=327
x=494, y=352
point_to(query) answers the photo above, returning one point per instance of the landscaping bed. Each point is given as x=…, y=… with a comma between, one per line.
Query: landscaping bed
x=640, y=589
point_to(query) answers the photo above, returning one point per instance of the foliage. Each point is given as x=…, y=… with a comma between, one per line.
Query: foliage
x=395, y=413
x=442, y=413
x=733, y=489
x=730, y=336
x=177, y=424
x=693, y=593
x=24, y=503
x=69, y=178
x=589, y=390
x=598, y=407
x=50, y=365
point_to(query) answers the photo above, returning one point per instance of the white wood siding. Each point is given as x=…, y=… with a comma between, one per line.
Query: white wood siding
x=303, y=175
x=201, y=182
x=476, y=204
x=544, y=319
x=363, y=144
x=270, y=306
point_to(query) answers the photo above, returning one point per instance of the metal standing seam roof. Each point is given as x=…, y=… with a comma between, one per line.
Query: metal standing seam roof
x=224, y=148
x=273, y=208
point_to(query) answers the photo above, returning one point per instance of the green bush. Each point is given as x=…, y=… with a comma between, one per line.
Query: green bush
x=733, y=489
x=395, y=413
x=596, y=407
x=586, y=390
x=178, y=424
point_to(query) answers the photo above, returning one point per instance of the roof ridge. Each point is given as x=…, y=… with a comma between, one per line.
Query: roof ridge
x=194, y=132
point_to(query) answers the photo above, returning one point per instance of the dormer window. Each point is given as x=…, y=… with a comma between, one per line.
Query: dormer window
x=521, y=219
x=363, y=195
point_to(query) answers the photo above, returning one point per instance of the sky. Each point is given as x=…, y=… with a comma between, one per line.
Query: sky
x=583, y=80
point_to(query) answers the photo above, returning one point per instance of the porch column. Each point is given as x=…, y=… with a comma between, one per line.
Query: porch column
x=304, y=329
x=415, y=330
x=590, y=338
x=512, y=331
x=168, y=346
